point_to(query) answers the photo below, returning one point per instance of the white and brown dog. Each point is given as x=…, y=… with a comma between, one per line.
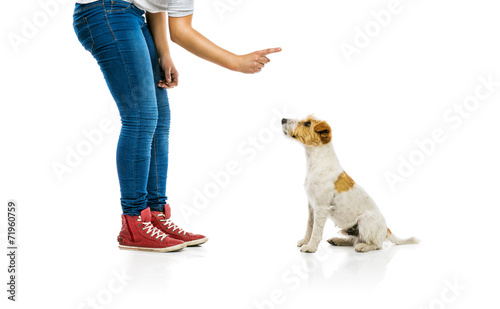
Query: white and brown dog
x=332, y=193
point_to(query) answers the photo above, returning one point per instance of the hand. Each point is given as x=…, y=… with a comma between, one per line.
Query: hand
x=254, y=62
x=171, y=75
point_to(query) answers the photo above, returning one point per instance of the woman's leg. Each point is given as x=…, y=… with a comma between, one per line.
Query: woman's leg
x=160, y=213
x=157, y=179
x=112, y=31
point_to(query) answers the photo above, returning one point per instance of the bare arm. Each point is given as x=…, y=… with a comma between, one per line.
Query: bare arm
x=157, y=23
x=182, y=33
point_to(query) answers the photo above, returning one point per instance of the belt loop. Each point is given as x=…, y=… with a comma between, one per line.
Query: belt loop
x=106, y=5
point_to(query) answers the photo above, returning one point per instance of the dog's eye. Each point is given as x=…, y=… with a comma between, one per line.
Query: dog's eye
x=307, y=124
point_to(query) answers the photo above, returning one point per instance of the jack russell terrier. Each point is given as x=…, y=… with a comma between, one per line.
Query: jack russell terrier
x=332, y=193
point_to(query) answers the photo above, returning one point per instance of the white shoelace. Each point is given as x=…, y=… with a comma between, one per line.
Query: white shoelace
x=151, y=229
x=170, y=224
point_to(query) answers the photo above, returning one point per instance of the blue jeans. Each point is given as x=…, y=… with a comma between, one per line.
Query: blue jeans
x=117, y=36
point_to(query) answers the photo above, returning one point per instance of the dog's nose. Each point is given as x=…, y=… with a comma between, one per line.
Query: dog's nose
x=284, y=120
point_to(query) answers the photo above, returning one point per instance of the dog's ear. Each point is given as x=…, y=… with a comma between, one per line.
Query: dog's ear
x=324, y=131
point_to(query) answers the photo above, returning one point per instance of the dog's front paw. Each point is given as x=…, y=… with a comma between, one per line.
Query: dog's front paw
x=309, y=248
x=302, y=242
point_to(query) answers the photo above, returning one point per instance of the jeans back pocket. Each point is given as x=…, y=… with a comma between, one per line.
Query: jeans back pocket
x=83, y=33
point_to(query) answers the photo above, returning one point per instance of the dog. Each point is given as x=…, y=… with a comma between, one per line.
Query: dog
x=331, y=193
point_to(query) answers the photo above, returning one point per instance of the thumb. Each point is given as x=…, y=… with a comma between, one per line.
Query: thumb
x=168, y=76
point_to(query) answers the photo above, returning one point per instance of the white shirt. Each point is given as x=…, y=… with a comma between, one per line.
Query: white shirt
x=175, y=8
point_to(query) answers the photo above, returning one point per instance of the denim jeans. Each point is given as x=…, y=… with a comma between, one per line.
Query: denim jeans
x=117, y=36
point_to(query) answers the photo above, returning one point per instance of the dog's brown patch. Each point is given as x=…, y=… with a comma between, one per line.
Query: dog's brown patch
x=344, y=183
x=312, y=132
x=388, y=232
x=324, y=131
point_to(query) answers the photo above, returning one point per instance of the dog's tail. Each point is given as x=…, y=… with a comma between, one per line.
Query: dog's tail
x=398, y=241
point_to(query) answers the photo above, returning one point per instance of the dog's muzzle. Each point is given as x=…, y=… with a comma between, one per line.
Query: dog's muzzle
x=288, y=126
x=283, y=125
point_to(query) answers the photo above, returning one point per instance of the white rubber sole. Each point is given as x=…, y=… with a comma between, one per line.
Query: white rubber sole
x=196, y=242
x=167, y=249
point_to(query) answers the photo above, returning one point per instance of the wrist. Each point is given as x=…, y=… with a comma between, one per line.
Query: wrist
x=234, y=62
x=163, y=52
x=165, y=57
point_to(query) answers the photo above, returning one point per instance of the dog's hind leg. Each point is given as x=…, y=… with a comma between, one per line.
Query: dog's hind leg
x=342, y=241
x=352, y=234
x=363, y=247
x=310, y=222
x=372, y=232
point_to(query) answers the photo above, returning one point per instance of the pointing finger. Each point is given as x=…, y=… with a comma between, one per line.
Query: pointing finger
x=269, y=51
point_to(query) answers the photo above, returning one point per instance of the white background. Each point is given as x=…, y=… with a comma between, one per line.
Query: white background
x=395, y=92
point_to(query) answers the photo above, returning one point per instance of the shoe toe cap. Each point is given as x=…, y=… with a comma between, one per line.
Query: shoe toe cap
x=197, y=236
x=174, y=242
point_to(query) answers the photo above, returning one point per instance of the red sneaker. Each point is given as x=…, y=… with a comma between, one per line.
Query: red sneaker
x=162, y=220
x=138, y=233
